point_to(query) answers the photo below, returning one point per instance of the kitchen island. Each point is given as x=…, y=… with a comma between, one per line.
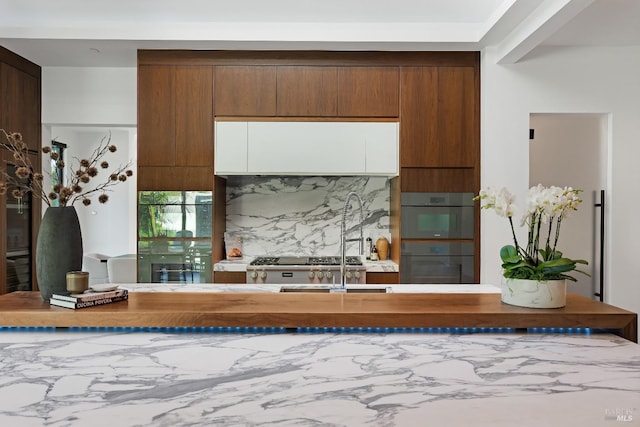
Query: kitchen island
x=159, y=359
x=218, y=306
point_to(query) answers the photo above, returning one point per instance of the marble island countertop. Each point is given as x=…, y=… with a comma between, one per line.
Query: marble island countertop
x=101, y=371
x=161, y=378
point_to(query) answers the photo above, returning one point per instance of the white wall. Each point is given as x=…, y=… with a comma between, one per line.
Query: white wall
x=89, y=96
x=108, y=228
x=79, y=107
x=578, y=80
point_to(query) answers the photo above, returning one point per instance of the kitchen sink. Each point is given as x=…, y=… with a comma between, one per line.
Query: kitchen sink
x=328, y=289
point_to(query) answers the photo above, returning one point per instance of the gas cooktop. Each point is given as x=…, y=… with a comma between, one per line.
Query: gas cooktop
x=304, y=260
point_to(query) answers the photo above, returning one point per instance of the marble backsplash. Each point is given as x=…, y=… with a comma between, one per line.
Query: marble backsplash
x=301, y=215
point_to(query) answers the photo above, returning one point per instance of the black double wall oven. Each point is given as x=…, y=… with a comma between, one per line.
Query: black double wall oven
x=437, y=238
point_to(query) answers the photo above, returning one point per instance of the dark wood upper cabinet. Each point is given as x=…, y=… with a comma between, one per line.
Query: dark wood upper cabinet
x=324, y=91
x=245, y=91
x=438, y=117
x=368, y=91
x=156, y=115
x=175, y=115
x=194, y=116
x=307, y=91
x=20, y=104
x=418, y=117
x=457, y=118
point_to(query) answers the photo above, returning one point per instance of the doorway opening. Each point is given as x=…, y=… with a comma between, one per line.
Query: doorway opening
x=572, y=150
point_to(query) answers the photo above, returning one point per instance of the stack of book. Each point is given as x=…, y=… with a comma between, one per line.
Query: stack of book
x=89, y=299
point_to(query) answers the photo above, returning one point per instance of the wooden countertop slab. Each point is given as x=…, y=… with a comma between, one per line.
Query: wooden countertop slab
x=293, y=310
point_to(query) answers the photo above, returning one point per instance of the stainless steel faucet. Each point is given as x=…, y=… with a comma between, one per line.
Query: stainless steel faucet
x=343, y=236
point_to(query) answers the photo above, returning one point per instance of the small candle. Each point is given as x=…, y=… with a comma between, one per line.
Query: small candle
x=77, y=281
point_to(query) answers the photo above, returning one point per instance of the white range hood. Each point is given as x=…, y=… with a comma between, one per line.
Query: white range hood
x=306, y=148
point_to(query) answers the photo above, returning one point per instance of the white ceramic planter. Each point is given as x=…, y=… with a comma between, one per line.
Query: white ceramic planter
x=534, y=294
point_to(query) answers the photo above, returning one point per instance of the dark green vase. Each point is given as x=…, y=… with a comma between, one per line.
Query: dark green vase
x=58, y=250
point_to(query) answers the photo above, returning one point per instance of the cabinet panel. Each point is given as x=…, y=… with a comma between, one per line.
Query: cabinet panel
x=229, y=277
x=447, y=180
x=174, y=178
x=368, y=91
x=386, y=278
x=305, y=147
x=20, y=104
x=438, y=117
x=156, y=115
x=231, y=147
x=418, y=117
x=194, y=116
x=456, y=117
x=381, y=155
x=175, y=113
x=245, y=91
x=307, y=91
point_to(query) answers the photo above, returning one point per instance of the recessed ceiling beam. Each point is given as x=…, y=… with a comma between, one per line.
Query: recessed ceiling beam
x=537, y=27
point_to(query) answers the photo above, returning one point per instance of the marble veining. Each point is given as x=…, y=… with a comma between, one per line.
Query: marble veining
x=301, y=214
x=121, y=378
x=387, y=266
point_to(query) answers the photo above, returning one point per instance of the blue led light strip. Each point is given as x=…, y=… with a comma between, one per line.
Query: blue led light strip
x=386, y=330
x=279, y=330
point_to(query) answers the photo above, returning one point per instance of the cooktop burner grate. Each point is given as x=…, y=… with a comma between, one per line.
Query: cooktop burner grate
x=334, y=260
x=265, y=261
x=294, y=260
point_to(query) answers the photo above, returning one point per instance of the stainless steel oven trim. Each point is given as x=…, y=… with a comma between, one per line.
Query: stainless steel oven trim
x=436, y=199
x=414, y=255
x=414, y=204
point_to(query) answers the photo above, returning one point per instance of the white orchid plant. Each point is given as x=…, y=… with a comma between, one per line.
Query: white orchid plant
x=545, y=205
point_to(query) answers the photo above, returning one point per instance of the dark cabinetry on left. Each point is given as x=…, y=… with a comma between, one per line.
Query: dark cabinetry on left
x=17, y=239
x=19, y=222
x=20, y=103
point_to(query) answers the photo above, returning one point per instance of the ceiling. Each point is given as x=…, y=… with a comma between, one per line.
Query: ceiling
x=107, y=33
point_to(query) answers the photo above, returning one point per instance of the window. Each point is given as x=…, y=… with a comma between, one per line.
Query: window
x=57, y=174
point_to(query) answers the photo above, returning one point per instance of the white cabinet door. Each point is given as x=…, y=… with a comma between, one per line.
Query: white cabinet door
x=306, y=148
x=302, y=148
x=230, y=156
x=382, y=141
